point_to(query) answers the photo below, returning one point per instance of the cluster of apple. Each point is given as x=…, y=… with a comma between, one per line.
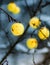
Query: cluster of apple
x=17, y=29
x=43, y=33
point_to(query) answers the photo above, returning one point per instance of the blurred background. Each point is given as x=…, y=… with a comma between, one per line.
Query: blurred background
x=19, y=55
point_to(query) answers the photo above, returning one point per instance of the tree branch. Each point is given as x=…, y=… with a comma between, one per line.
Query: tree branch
x=47, y=3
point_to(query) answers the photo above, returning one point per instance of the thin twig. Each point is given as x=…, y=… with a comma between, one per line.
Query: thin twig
x=9, y=18
x=8, y=14
x=28, y=8
x=38, y=7
x=33, y=57
x=33, y=32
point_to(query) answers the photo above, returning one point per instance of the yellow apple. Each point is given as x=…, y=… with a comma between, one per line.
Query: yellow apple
x=12, y=7
x=17, y=29
x=34, y=22
x=43, y=33
x=32, y=43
